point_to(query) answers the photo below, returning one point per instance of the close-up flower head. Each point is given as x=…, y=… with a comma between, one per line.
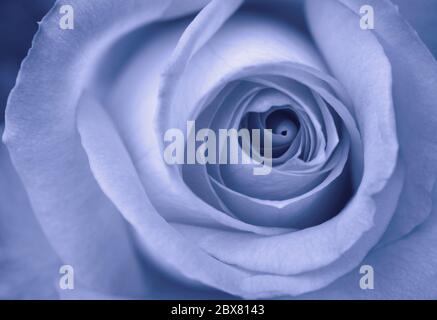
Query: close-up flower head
x=218, y=149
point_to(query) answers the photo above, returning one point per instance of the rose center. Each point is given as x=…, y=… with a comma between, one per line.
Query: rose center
x=281, y=120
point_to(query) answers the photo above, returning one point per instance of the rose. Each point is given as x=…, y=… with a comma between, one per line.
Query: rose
x=84, y=127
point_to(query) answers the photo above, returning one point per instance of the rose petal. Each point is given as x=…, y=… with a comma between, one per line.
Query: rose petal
x=29, y=266
x=421, y=15
x=405, y=269
x=133, y=106
x=414, y=94
x=116, y=173
x=41, y=136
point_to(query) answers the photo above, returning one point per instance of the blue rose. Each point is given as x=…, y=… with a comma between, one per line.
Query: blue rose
x=348, y=90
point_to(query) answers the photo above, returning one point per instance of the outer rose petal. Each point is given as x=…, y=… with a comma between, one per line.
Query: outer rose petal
x=421, y=14
x=80, y=222
x=28, y=265
x=407, y=267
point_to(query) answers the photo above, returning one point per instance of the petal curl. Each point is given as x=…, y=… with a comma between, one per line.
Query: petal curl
x=421, y=15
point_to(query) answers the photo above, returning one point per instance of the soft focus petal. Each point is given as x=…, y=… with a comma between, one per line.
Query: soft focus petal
x=80, y=222
x=28, y=265
x=421, y=14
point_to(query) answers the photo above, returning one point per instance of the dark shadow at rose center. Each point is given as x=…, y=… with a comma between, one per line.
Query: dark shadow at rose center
x=283, y=123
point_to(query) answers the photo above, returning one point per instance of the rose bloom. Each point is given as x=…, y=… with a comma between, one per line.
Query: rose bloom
x=353, y=115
